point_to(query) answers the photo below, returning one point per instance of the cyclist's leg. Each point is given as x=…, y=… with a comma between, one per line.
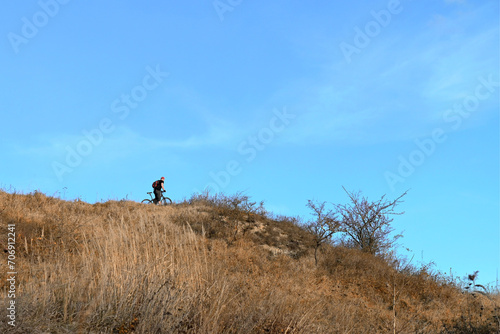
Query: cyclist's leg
x=157, y=196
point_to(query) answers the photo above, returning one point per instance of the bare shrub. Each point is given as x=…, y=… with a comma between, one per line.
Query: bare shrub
x=366, y=225
x=324, y=225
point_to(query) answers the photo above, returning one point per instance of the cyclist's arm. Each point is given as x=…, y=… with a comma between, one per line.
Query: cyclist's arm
x=162, y=187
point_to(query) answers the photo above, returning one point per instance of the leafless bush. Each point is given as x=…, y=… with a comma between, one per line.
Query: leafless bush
x=238, y=201
x=324, y=225
x=366, y=225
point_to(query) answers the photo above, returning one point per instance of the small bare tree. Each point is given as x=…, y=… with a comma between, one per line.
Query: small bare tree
x=366, y=225
x=324, y=225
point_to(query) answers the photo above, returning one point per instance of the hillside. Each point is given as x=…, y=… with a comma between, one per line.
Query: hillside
x=209, y=266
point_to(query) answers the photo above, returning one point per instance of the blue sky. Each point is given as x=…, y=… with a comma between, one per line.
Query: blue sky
x=286, y=101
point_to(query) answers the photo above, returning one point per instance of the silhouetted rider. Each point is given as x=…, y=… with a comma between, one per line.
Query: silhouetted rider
x=158, y=187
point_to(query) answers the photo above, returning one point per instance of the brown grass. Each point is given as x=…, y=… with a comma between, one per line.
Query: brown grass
x=206, y=267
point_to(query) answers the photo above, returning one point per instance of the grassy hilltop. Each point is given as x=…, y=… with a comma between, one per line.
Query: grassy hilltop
x=211, y=265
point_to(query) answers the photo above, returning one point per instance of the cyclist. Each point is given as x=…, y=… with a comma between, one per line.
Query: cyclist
x=158, y=187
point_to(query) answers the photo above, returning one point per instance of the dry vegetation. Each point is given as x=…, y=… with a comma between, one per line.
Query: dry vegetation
x=212, y=265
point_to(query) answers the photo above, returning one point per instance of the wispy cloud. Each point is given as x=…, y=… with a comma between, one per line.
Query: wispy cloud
x=65, y=153
x=218, y=133
x=126, y=141
x=400, y=86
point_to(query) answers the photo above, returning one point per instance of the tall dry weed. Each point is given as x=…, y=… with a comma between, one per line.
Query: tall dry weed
x=122, y=267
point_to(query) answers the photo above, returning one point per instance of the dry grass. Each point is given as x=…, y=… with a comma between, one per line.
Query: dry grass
x=207, y=267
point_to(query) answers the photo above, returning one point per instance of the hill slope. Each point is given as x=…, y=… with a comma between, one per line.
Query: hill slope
x=205, y=267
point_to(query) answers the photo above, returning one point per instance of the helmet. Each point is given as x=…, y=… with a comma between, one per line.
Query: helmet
x=163, y=178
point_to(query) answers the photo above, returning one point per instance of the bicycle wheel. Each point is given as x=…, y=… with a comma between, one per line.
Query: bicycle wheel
x=167, y=201
x=147, y=201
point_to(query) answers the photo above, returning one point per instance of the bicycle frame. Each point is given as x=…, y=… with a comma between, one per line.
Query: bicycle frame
x=163, y=200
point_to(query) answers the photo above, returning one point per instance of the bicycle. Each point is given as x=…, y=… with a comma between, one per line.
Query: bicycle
x=164, y=200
